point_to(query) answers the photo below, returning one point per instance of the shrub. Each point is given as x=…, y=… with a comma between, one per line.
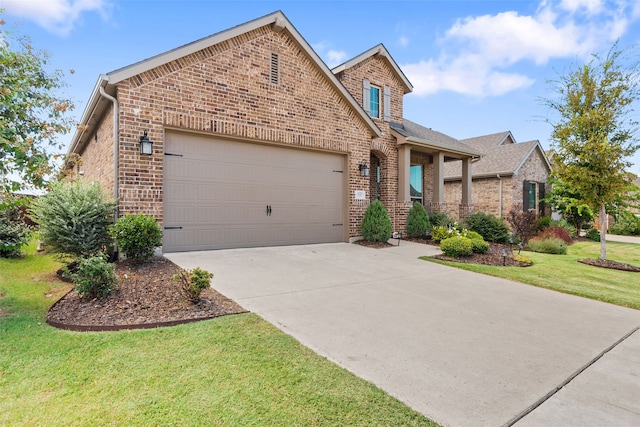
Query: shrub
x=593, y=234
x=566, y=225
x=471, y=234
x=491, y=228
x=524, y=224
x=442, y=232
x=479, y=246
x=544, y=222
x=137, y=236
x=626, y=224
x=73, y=219
x=456, y=246
x=548, y=246
x=522, y=259
x=193, y=282
x=376, y=225
x=417, y=221
x=555, y=232
x=437, y=219
x=94, y=278
x=14, y=233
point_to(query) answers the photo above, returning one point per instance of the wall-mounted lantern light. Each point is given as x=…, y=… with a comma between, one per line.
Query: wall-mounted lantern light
x=364, y=169
x=146, y=145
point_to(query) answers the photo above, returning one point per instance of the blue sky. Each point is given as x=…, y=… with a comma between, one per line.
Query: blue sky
x=477, y=66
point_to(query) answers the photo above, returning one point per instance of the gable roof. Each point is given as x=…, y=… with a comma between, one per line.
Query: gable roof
x=106, y=83
x=502, y=155
x=381, y=52
x=414, y=133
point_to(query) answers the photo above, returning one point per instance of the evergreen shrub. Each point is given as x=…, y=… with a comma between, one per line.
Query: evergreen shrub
x=417, y=221
x=14, y=233
x=376, y=224
x=94, y=278
x=456, y=247
x=73, y=219
x=491, y=228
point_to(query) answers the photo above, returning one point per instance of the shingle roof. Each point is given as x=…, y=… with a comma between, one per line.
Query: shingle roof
x=497, y=158
x=427, y=136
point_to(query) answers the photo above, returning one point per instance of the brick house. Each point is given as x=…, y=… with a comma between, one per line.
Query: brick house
x=256, y=142
x=509, y=174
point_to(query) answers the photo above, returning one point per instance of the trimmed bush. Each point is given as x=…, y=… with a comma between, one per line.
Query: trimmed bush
x=456, y=247
x=73, y=219
x=137, y=236
x=555, y=232
x=491, y=228
x=193, y=282
x=593, y=234
x=548, y=246
x=417, y=221
x=14, y=233
x=471, y=234
x=479, y=246
x=94, y=278
x=522, y=259
x=376, y=225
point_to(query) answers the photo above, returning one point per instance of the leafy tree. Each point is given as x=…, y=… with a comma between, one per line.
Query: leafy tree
x=570, y=203
x=32, y=116
x=594, y=136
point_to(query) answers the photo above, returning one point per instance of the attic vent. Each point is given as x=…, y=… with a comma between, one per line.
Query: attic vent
x=275, y=69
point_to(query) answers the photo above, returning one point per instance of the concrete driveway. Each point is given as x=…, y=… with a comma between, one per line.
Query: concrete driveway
x=462, y=348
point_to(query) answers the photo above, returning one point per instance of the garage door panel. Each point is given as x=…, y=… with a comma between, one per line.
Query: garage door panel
x=217, y=192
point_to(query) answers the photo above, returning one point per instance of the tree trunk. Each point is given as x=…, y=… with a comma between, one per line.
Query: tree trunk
x=603, y=231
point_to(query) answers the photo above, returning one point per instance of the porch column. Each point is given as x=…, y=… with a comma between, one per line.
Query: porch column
x=438, y=179
x=404, y=173
x=466, y=181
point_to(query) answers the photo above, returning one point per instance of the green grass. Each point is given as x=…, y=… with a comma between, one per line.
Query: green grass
x=564, y=274
x=231, y=371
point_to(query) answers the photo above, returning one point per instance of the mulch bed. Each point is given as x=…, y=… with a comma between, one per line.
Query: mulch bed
x=147, y=296
x=607, y=263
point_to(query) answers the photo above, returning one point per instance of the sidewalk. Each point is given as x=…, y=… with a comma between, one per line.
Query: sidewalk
x=623, y=239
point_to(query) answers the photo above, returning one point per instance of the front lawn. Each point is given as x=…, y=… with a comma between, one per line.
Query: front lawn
x=563, y=273
x=234, y=370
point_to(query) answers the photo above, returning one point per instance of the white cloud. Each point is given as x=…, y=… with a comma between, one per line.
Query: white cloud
x=57, y=16
x=335, y=57
x=478, y=51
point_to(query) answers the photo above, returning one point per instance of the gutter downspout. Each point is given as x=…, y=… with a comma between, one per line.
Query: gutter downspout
x=115, y=148
x=500, y=192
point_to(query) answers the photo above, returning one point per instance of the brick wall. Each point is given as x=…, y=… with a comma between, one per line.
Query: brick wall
x=225, y=90
x=97, y=155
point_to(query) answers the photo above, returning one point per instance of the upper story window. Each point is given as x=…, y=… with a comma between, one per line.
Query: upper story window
x=371, y=100
x=374, y=102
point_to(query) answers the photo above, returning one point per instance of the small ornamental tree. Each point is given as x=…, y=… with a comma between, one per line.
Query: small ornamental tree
x=137, y=236
x=376, y=225
x=594, y=135
x=417, y=221
x=73, y=219
x=524, y=224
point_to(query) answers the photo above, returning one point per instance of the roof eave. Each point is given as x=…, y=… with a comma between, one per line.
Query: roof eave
x=90, y=110
x=430, y=144
x=480, y=176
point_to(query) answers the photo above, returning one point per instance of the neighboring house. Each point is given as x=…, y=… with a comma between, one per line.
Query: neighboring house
x=509, y=174
x=256, y=142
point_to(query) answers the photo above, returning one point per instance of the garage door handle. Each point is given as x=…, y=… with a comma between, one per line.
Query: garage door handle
x=173, y=228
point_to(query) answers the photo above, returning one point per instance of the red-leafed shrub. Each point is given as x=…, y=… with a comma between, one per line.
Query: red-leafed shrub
x=555, y=232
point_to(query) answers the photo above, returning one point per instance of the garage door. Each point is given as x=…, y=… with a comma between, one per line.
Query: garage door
x=222, y=194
